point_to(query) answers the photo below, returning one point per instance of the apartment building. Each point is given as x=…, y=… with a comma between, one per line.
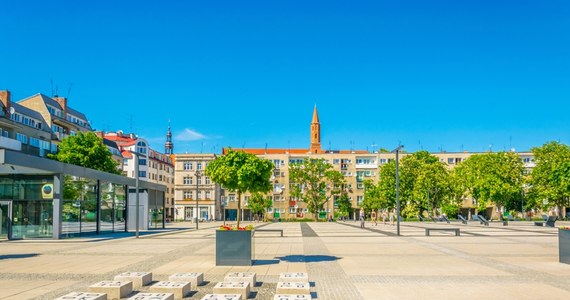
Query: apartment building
x=194, y=193
x=154, y=166
x=356, y=166
x=23, y=129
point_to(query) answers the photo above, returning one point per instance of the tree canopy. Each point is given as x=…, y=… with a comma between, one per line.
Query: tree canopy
x=241, y=172
x=315, y=182
x=550, y=178
x=86, y=150
x=258, y=203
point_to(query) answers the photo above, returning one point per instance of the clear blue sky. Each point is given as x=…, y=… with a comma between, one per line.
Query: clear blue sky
x=434, y=75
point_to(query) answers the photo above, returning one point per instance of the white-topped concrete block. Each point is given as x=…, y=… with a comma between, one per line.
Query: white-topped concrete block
x=241, y=288
x=222, y=297
x=293, y=288
x=294, y=277
x=241, y=277
x=291, y=297
x=113, y=289
x=195, y=279
x=83, y=296
x=179, y=288
x=139, y=279
x=153, y=296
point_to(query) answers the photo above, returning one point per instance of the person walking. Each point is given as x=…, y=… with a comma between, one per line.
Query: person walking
x=384, y=216
x=374, y=218
x=362, y=217
x=392, y=217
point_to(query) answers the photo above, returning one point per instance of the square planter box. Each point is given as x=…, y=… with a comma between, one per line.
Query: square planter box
x=234, y=247
x=564, y=245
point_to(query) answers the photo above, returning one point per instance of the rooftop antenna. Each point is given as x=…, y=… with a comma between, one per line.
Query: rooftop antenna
x=330, y=146
x=69, y=90
x=56, y=92
x=202, y=148
x=51, y=80
x=373, y=146
x=265, y=147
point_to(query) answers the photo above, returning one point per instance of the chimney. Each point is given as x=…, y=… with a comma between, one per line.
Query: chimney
x=62, y=101
x=5, y=99
x=100, y=134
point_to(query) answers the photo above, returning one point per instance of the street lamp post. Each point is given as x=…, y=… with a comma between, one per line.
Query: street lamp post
x=136, y=155
x=397, y=150
x=197, y=179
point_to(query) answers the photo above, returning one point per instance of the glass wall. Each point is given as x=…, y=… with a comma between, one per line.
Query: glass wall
x=79, y=209
x=32, y=204
x=155, y=209
x=113, y=207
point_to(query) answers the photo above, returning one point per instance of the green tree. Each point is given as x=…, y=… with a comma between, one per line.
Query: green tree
x=492, y=177
x=550, y=178
x=86, y=150
x=258, y=204
x=373, y=199
x=387, y=185
x=241, y=172
x=343, y=203
x=315, y=182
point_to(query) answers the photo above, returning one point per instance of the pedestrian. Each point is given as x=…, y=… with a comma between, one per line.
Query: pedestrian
x=384, y=216
x=374, y=218
x=362, y=217
x=392, y=217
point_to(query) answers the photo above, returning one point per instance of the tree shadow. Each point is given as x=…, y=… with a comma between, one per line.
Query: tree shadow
x=12, y=256
x=308, y=258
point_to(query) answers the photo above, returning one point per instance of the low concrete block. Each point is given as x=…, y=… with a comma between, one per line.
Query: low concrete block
x=139, y=279
x=113, y=289
x=179, y=288
x=153, y=296
x=291, y=297
x=293, y=288
x=294, y=277
x=83, y=296
x=241, y=277
x=221, y=297
x=195, y=279
x=241, y=288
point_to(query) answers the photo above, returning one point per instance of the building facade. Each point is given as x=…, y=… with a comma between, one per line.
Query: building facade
x=154, y=167
x=195, y=194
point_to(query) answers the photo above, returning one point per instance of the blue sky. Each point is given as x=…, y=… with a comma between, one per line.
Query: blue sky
x=432, y=75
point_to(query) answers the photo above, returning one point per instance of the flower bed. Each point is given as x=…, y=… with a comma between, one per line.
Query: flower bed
x=227, y=227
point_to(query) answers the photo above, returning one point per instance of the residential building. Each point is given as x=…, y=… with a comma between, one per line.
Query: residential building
x=153, y=166
x=60, y=117
x=194, y=193
x=23, y=129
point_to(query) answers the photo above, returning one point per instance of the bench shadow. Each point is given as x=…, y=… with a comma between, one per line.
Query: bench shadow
x=263, y=262
x=252, y=295
x=308, y=258
x=13, y=256
x=314, y=295
x=204, y=283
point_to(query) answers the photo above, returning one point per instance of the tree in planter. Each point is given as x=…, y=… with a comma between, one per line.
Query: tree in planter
x=258, y=204
x=241, y=172
x=86, y=150
x=315, y=182
x=550, y=178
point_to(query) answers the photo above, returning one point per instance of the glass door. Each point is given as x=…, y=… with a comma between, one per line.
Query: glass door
x=5, y=218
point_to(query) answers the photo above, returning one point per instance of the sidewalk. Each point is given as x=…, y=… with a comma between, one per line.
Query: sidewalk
x=343, y=261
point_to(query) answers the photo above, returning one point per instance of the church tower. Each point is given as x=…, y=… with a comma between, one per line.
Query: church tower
x=168, y=146
x=315, y=132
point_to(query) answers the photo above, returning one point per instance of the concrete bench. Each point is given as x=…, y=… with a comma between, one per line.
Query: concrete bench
x=294, y=277
x=269, y=230
x=152, y=296
x=443, y=229
x=195, y=279
x=241, y=277
x=83, y=296
x=222, y=297
x=139, y=279
x=241, y=288
x=291, y=297
x=179, y=288
x=113, y=289
x=293, y=288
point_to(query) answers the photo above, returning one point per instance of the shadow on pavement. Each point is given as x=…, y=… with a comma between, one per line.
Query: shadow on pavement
x=12, y=256
x=263, y=262
x=308, y=258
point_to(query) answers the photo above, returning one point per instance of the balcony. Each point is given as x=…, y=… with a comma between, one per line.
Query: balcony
x=11, y=144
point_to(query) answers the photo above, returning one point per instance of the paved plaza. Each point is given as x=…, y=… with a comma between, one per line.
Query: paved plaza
x=343, y=261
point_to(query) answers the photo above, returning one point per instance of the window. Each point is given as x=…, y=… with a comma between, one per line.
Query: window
x=208, y=195
x=270, y=209
x=187, y=195
x=22, y=138
x=336, y=161
x=232, y=197
x=187, y=180
x=142, y=162
x=450, y=160
x=199, y=166
x=34, y=142
x=207, y=180
x=359, y=200
x=292, y=210
x=199, y=180
x=187, y=166
x=142, y=173
x=141, y=147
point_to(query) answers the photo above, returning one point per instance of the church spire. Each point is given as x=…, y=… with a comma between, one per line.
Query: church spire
x=168, y=146
x=315, y=132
